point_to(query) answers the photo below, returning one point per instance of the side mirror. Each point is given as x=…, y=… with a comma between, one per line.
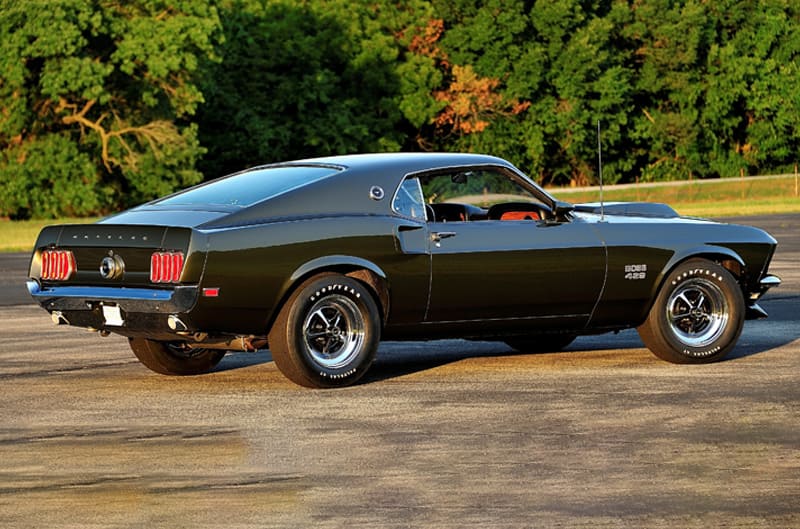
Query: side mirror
x=561, y=210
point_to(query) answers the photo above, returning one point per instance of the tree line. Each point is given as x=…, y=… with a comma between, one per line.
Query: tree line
x=108, y=103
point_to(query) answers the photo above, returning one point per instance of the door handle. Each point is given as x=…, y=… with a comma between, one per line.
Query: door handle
x=437, y=236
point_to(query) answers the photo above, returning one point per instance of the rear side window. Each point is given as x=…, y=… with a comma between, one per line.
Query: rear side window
x=408, y=200
x=247, y=188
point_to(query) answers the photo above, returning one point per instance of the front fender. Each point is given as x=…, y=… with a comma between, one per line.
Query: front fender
x=705, y=251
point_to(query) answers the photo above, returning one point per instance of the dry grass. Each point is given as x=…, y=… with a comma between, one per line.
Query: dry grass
x=718, y=198
x=20, y=235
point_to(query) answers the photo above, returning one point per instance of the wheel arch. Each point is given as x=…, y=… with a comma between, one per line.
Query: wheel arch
x=698, y=316
x=358, y=268
x=725, y=257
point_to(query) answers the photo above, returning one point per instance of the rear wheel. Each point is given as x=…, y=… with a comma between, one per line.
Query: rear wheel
x=327, y=333
x=545, y=343
x=697, y=316
x=174, y=358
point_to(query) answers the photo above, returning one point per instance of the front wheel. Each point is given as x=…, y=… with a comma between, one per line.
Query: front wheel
x=174, y=358
x=697, y=316
x=327, y=333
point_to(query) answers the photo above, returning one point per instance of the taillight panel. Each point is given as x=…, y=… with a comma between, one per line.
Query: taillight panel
x=166, y=267
x=57, y=265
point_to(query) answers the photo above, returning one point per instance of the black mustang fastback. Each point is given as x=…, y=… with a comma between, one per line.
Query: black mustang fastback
x=321, y=259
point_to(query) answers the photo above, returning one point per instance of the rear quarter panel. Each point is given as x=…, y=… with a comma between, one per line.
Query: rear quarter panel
x=256, y=267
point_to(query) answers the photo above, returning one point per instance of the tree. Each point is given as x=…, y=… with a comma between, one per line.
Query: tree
x=559, y=66
x=716, y=87
x=299, y=79
x=97, y=98
x=107, y=103
x=458, y=103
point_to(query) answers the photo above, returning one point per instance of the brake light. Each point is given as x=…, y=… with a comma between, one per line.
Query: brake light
x=166, y=267
x=58, y=265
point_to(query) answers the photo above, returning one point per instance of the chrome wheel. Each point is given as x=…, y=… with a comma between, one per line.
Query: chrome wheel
x=334, y=331
x=697, y=312
x=697, y=315
x=327, y=333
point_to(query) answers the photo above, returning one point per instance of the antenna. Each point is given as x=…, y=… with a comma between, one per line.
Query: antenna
x=600, y=171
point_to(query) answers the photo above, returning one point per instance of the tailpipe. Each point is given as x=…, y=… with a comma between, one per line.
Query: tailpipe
x=235, y=343
x=176, y=324
x=58, y=318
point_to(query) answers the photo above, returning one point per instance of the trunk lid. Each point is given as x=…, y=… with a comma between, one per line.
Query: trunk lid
x=130, y=247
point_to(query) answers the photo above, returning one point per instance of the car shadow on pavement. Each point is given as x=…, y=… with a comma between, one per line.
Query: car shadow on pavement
x=241, y=360
x=398, y=359
x=780, y=328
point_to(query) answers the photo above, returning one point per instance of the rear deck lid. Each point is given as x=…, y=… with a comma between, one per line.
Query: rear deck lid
x=117, y=255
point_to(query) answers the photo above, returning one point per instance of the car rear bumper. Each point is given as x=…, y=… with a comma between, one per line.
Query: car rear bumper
x=177, y=299
x=118, y=309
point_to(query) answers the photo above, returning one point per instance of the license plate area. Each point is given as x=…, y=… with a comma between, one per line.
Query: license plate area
x=112, y=315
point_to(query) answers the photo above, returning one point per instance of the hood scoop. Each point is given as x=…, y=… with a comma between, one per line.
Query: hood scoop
x=630, y=209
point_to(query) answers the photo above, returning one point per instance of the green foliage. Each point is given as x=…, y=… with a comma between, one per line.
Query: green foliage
x=297, y=80
x=49, y=177
x=714, y=79
x=104, y=104
x=95, y=97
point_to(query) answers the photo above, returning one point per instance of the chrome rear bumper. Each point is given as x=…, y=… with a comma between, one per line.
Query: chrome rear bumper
x=69, y=298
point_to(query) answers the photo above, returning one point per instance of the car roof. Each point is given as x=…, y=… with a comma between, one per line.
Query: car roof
x=350, y=190
x=405, y=162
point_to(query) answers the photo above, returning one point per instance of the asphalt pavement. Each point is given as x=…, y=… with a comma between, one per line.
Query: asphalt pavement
x=13, y=273
x=441, y=434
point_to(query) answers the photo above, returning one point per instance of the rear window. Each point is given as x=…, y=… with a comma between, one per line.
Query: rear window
x=248, y=188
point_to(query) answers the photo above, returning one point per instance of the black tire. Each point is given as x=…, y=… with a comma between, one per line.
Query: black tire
x=170, y=358
x=545, y=343
x=697, y=316
x=327, y=333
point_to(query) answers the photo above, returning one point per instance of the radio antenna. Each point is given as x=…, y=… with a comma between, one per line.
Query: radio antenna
x=600, y=171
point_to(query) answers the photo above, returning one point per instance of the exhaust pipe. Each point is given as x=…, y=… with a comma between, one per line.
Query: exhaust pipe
x=58, y=318
x=236, y=343
x=175, y=323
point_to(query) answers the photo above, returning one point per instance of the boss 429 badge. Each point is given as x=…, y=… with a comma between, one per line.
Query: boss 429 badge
x=635, y=271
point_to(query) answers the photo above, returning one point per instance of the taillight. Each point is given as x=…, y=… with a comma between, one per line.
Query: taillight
x=166, y=267
x=57, y=265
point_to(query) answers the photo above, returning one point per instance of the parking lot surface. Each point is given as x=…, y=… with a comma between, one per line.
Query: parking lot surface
x=441, y=434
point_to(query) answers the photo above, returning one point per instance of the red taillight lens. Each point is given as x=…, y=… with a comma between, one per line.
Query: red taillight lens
x=166, y=267
x=58, y=265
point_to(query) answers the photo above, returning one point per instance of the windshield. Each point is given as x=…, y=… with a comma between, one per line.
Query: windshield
x=245, y=189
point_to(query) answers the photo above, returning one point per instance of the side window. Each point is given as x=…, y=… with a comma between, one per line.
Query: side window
x=479, y=187
x=474, y=194
x=408, y=200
